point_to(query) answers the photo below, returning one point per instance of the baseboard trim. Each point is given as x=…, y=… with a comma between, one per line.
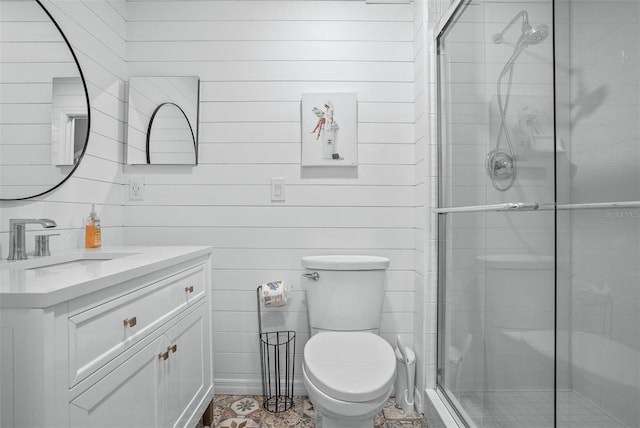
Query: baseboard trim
x=250, y=387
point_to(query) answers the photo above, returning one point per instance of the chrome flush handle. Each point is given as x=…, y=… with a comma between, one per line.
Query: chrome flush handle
x=315, y=275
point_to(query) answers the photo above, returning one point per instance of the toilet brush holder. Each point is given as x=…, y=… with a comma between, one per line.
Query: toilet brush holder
x=277, y=360
x=405, y=377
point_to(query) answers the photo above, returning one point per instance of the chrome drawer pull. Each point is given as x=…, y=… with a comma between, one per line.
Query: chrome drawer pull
x=130, y=322
x=189, y=289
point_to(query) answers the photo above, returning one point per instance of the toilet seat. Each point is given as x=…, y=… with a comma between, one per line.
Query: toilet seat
x=350, y=366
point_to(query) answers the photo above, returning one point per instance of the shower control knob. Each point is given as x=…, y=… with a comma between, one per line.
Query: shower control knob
x=500, y=165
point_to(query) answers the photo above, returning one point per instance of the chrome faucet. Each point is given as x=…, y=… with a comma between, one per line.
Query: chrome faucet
x=17, y=246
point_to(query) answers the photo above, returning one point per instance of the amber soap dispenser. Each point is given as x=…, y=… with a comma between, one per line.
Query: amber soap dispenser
x=92, y=232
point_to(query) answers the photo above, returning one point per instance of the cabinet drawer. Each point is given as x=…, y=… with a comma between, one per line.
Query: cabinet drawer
x=98, y=334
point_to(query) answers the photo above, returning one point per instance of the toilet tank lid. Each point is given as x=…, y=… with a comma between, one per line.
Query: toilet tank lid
x=345, y=262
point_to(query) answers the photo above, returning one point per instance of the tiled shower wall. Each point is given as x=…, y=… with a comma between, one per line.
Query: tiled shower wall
x=425, y=197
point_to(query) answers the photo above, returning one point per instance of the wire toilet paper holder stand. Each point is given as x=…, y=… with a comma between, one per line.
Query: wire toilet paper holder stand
x=277, y=364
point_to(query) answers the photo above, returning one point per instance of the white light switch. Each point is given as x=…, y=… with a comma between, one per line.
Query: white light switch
x=277, y=190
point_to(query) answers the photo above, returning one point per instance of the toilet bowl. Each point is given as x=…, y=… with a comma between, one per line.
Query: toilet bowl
x=348, y=376
x=348, y=370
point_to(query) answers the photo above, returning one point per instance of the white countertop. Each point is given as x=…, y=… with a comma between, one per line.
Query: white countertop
x=24, y=287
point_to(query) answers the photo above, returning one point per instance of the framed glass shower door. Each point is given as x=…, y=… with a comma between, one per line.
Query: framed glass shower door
x=598, y=213
x=539, y=213
x=496, y=332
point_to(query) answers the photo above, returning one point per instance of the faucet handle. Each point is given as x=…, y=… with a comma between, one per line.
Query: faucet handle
x=17, y=247
x=42, y=245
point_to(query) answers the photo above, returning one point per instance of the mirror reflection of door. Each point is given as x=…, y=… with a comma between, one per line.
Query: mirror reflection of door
x=69, y=120
x=170, y=138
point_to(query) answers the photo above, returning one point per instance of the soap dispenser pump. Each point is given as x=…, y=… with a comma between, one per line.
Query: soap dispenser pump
x=92, y=231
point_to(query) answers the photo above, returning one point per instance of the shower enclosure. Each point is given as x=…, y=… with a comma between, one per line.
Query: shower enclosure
x=539, y=213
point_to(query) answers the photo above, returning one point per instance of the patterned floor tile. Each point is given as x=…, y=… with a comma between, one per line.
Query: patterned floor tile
x=415, y=423
x=393, y=412
x=237, y=411
x=239, y=423
x=245, y=406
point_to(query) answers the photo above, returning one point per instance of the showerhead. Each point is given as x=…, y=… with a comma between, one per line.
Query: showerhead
x=530, y=35
x=535, y=35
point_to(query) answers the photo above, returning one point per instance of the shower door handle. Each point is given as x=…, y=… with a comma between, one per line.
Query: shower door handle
x=509, y=206
x=520, y=206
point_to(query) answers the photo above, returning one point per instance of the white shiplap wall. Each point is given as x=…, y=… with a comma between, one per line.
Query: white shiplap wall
x=96, y=29
x=254, y=60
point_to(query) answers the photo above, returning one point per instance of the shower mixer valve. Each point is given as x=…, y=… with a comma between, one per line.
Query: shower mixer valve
x=500, y=165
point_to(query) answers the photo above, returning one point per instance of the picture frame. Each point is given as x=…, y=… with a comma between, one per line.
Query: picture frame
x=329, y=129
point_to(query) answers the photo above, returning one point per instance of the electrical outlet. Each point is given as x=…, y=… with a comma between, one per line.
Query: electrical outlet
x=136, y=188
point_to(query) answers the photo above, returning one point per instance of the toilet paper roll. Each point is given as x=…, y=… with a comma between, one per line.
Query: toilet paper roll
x=274, y=294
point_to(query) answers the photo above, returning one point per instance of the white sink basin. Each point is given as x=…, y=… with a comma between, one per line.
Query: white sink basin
x=59, y=263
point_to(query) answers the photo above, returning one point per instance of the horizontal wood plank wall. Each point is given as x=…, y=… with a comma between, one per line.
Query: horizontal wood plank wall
x=96, y=30
x=255, y=59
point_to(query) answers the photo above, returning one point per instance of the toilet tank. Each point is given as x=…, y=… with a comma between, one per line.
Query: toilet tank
x=347, y=294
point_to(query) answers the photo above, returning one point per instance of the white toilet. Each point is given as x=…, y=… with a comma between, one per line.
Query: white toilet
x=348, y=370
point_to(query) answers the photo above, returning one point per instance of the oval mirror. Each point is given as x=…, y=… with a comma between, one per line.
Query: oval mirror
x=44, y=103
x=170, y=138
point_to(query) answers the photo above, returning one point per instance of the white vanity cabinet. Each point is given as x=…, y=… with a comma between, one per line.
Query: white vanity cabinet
x=161, y=385
x=133, y=354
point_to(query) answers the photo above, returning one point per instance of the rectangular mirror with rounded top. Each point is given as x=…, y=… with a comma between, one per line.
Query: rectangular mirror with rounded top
x=162, y=125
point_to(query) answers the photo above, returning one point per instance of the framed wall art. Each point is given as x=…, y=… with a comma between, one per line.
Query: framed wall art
x=329, y=129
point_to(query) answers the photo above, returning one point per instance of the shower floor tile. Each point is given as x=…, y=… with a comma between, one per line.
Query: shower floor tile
x=533, y=409
x=243, y=411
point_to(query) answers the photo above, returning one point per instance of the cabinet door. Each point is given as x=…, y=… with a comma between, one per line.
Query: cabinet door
x=7, y=370
x=130, y=396
x=189, y=367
